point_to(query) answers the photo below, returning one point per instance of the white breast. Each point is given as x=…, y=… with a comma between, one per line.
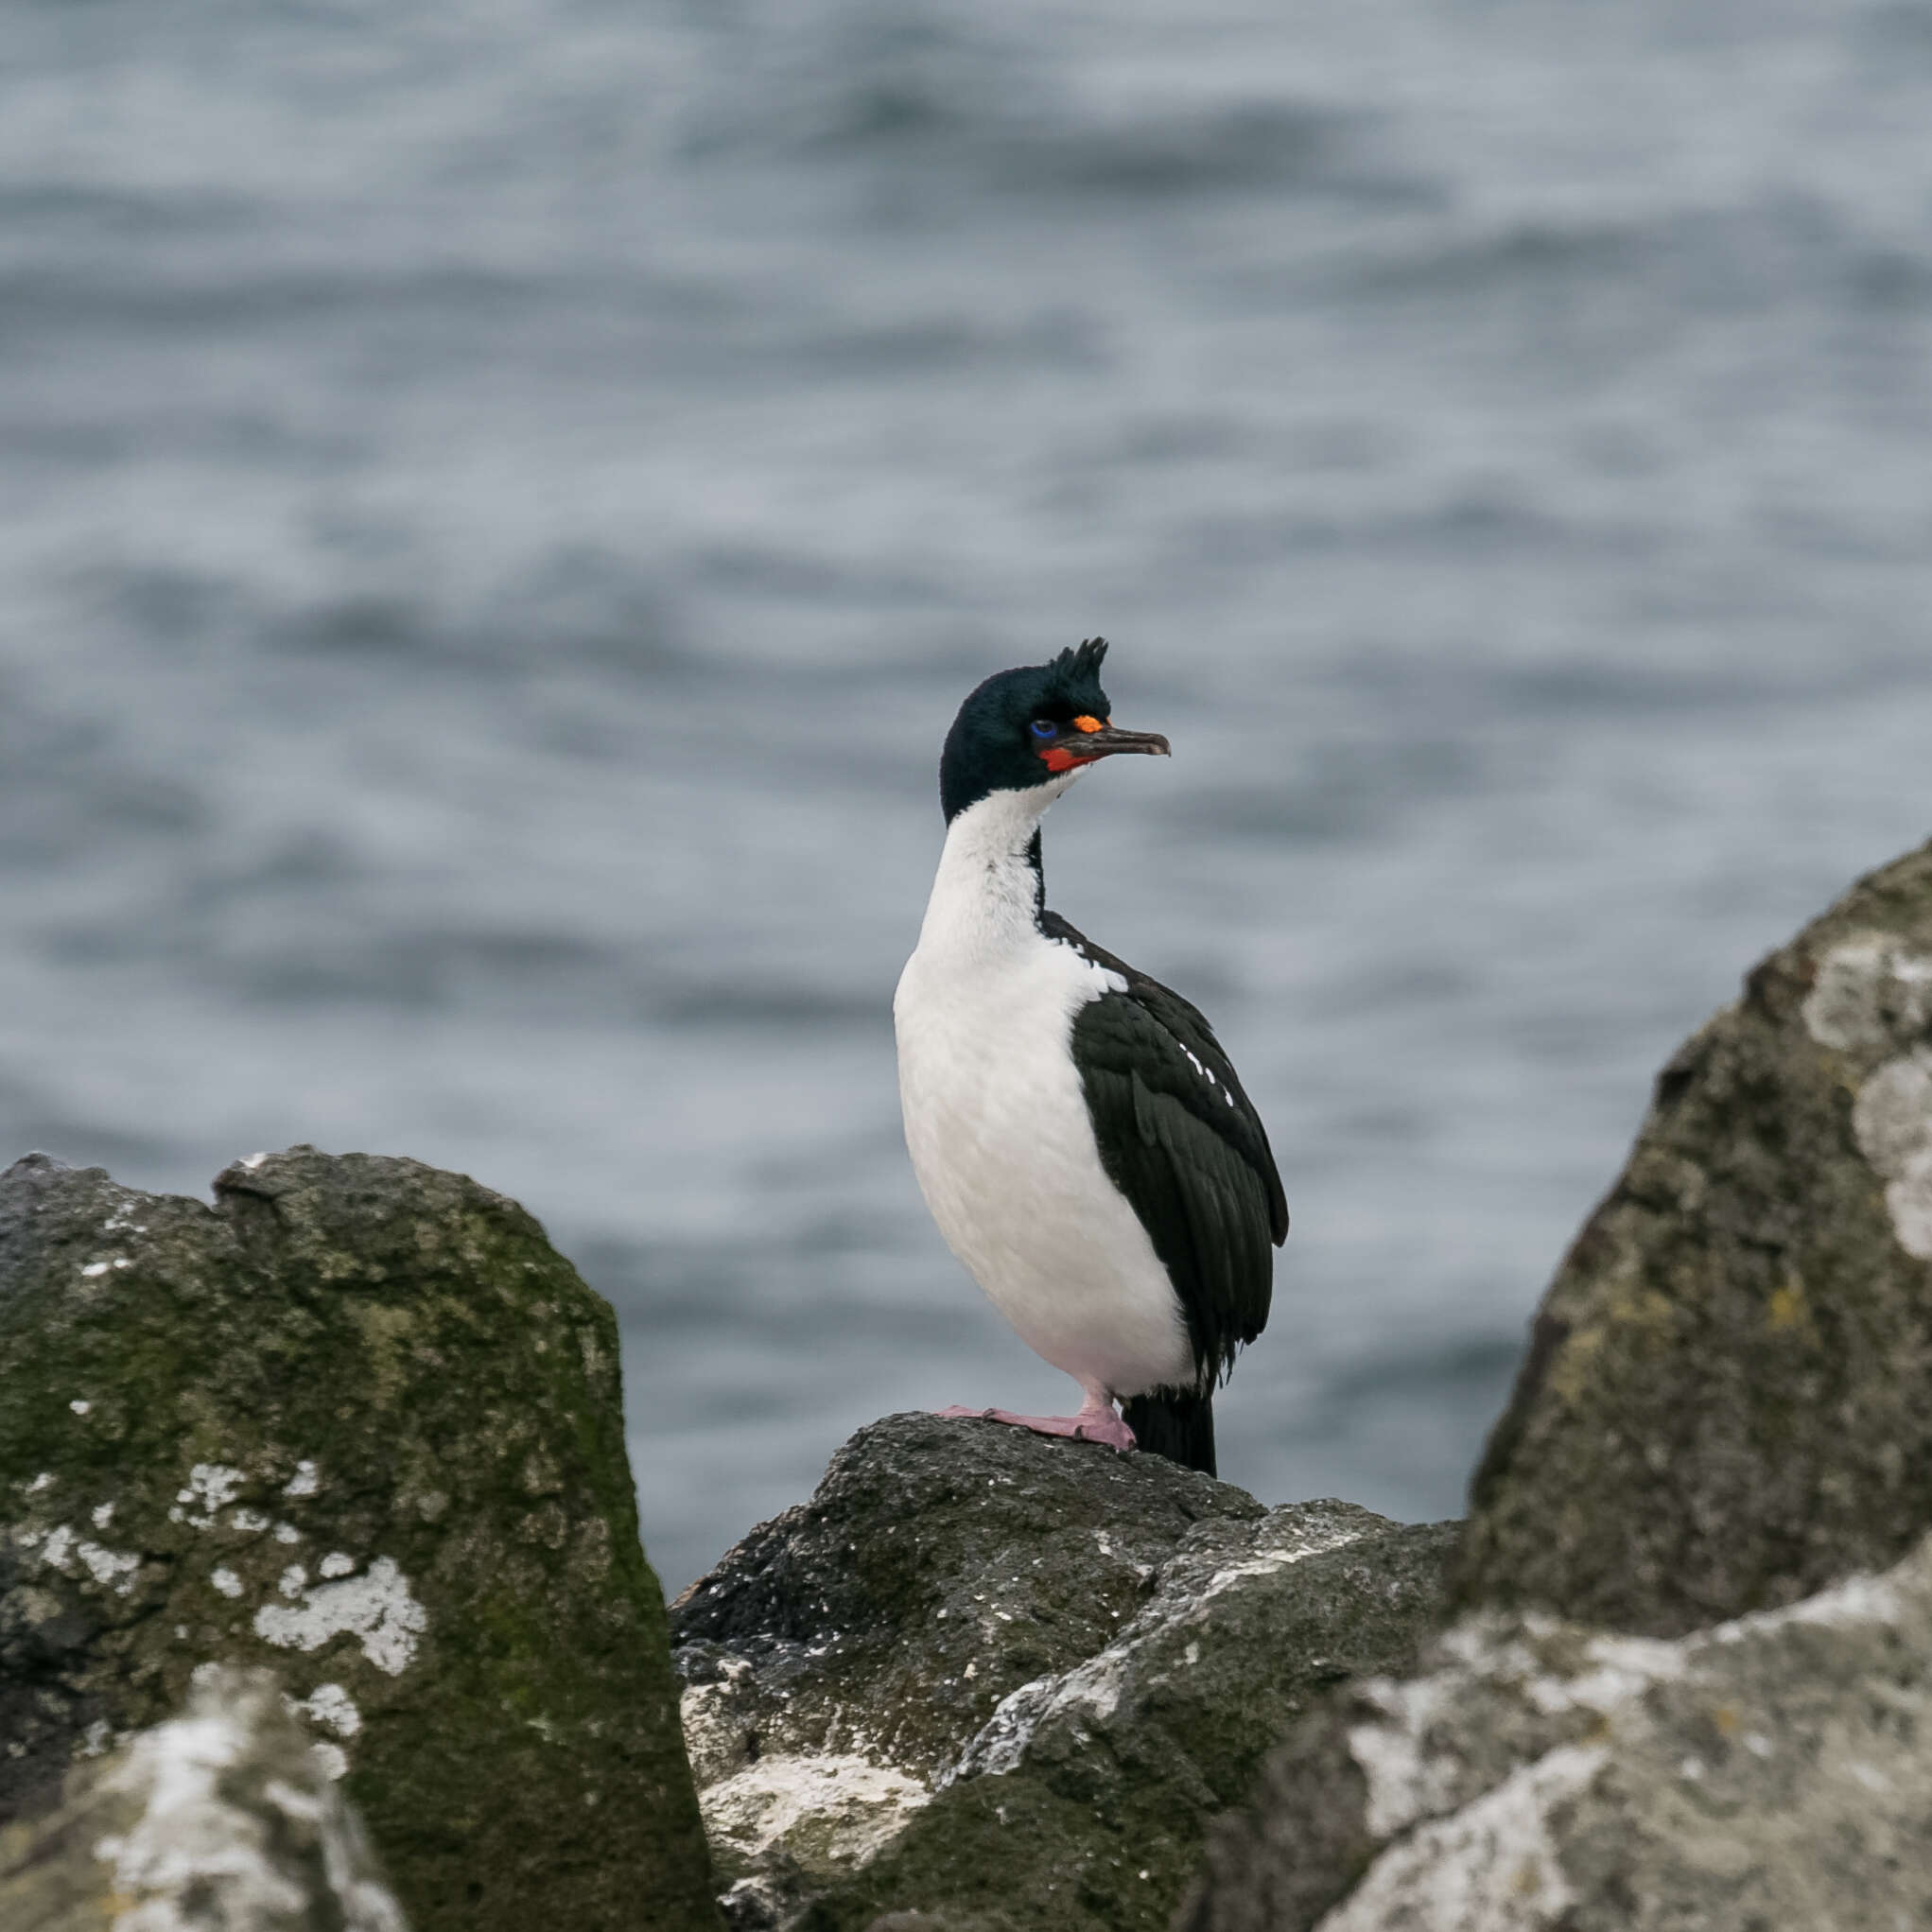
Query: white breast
x=998, y=1126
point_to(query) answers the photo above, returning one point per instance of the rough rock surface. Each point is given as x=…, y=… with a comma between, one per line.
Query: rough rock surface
x=358, y=1422
x=1728, y=1399
x=1768, y=1773
x=984, y=1680
x=225, y=1817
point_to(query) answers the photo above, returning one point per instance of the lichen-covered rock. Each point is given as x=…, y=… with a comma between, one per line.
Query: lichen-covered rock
x=984, y=1680
x=360, y=1423
x=226, y=1817
x=1770, y=1773
x=1728, y=1398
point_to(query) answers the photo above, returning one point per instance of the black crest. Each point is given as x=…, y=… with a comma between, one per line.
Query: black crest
x=1081, y=662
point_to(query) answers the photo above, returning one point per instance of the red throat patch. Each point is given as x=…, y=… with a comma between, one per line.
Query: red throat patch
x=1061, y=757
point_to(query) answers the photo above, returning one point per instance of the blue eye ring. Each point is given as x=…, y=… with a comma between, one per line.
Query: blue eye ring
x=1044, y=727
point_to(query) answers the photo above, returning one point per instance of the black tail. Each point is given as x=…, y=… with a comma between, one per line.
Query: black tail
x=1174, y=1423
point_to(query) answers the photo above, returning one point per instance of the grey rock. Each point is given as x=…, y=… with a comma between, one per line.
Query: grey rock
x=1766, y=1773
x=226, y=1818
x=985, y=1681
x=360, y=1423
x=1728, y=1398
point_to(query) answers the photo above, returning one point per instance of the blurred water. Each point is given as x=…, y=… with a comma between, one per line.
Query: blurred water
x=500, y=502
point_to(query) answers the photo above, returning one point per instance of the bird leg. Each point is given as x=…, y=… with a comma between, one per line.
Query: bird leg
x=1098, y=1421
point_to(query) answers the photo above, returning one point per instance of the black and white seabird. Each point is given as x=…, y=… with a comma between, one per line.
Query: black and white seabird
x=1079, y=1135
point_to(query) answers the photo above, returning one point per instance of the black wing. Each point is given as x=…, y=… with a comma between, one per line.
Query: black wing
x=1180, y=1138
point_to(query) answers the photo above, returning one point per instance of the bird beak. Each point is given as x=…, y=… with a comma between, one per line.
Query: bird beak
x=1100, y=740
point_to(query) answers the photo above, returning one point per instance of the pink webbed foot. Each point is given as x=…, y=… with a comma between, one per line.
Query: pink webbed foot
x=1096, y=1422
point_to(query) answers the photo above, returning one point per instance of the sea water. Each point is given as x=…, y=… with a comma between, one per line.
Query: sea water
x=501, y=502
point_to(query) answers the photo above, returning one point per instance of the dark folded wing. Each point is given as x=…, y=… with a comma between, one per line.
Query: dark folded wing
x=1182, y=1141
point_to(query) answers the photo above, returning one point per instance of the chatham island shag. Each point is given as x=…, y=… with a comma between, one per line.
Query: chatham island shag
x=1079, y=1133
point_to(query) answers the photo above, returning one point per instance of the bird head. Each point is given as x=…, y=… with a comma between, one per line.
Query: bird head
x=1027, y=727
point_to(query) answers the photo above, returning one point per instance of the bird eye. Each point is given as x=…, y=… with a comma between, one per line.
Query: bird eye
x=1045, y=727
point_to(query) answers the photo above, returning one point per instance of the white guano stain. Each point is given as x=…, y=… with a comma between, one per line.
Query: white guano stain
x=1487, y=1861
x=304, y=1482
x=1090, y=1696
x=227, y=1582
x=108, y=1568
x=1409, y=1778
x=211, y=1845
x=1266, y=1561
x=336, y=1563
x=1863, y=1599
x=714, y=1737
x=211, y=1488
x=1892, y=1121
x=60, y=1549
x=835, y=1811
x=1491, y=1865
x=330, y=1706
x=377, y=1609
x=79, y=1406
x=1870, y=992
x=1405, y=1779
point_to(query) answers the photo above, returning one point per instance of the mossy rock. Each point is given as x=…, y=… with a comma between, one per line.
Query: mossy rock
x=358, y=1422
x=985, y=1681
x=1728, y=1398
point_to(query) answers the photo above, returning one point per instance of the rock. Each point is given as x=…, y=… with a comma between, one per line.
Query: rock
x=984, y=1680
x=1728, y=1400
x=1766, y=1773
x=225, y=1817
x=1689, y=1687
x=360, y=1423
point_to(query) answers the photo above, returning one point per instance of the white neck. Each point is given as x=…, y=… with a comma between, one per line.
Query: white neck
x=983, y=899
